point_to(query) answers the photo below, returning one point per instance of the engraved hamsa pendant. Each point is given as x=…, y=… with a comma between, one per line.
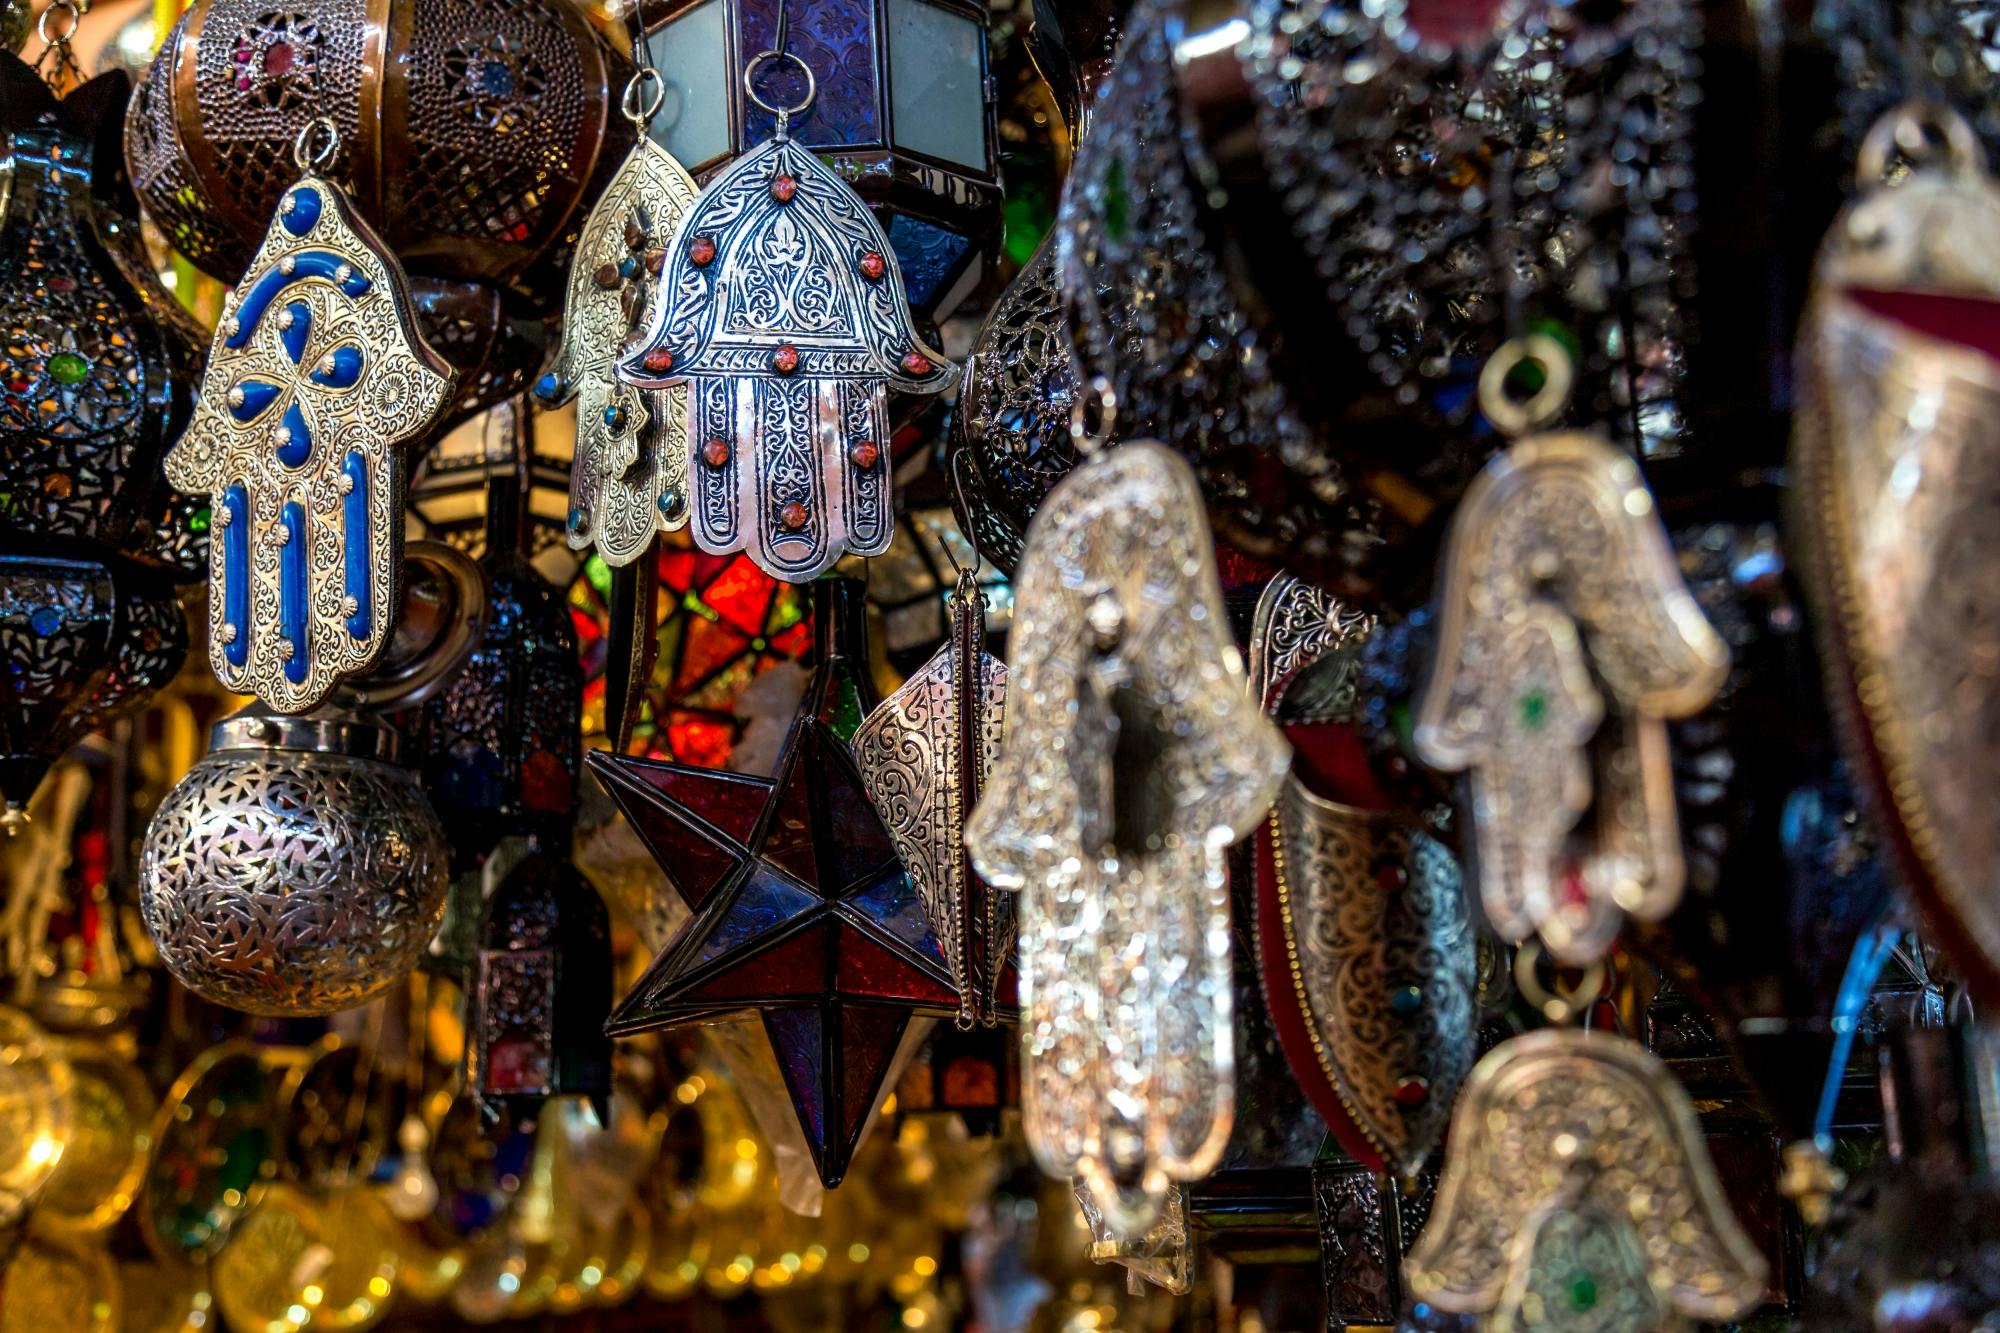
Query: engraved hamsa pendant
x=783, y=314
x=316, y=376
x=1578, y=1196
x=1566, y=639
x=1132, y=757
x=1365, y=944
x=1896, y=452
x=629, y=477
x=924, y=754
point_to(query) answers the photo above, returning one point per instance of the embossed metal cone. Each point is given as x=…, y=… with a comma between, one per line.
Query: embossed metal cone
x=296, y=870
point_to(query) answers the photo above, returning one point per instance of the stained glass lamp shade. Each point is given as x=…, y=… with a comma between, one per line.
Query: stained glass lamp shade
x=721, y=622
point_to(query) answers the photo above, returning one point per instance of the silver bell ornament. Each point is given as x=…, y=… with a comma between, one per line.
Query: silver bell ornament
x=298, y=869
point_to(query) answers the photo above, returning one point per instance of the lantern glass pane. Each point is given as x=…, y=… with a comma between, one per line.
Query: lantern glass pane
x=937, y=75
x=692, y=53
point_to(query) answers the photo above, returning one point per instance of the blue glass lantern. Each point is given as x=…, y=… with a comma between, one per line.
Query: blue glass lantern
x=903, y=109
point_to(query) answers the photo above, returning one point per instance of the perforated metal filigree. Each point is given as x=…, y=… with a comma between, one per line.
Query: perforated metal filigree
x=924, y=754
x=1578, y=1189
x=292, y=883
x=1133, y=756
x=1012, y=424
x=316, y=377
x=783, y=313
x=629, y=477
x=1546, y=153
x=1151, y=311
x=1566, y=639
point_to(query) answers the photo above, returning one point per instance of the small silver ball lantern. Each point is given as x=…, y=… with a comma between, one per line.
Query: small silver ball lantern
x=297, y=869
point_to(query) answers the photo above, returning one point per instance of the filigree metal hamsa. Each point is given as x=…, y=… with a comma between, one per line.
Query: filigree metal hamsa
x=1578, y=1194
x=316, y=375
x=629, y=477
x=783, y=313
x=1561, y=601
x=1132, y=757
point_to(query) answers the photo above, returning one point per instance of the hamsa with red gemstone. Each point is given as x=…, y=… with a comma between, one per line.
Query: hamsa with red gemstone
x=782, y=310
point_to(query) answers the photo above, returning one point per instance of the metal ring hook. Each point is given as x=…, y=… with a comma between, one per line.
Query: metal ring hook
x=1900, y=131
x=629, y=104
x=67, y=7
x=304, y=155
x=1086, y=441
x=961, y=572
x=1512, y=417
x=1558, y=1006
x=783, y=113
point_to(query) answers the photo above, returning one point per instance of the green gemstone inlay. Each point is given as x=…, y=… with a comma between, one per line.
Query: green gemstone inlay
x=1534, y=710
x=1117, y=202
x=1582, y=1292
x=199, y=520
x=68, y=368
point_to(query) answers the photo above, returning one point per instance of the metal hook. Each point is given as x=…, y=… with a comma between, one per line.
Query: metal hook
x=305, y=155
x=1514, y=418
x=629, y=104
x=964, y=575
x=1086, y=442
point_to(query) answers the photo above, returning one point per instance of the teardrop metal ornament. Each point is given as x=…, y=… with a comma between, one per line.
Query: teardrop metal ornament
x=924, y=754
x=1369, y=961
x=629, y=477
x=316, y=376
x=1132, y=757
x=1566, y=640
x=784, y=315
x=1578, y=1195
x=1896, y=450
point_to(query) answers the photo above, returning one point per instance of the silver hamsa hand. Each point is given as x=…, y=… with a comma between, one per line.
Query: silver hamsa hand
x=316, y=376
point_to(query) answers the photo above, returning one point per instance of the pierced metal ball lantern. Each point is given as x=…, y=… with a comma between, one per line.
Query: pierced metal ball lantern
x=901, y=109
x=296, y=870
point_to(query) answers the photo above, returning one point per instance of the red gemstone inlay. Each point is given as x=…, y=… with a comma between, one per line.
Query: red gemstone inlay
x=659, y=360
x=864, y=454
x=793, y=516
x=783, y=188
x=715, y=453
x=916, y=365
x=1413, y=1091
x=873, y=266
x=278, y=59
x=701, y=251
x=785, y=360
x=1390, y=877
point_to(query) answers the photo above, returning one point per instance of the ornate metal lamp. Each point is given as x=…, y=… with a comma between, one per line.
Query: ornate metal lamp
x=901, y=111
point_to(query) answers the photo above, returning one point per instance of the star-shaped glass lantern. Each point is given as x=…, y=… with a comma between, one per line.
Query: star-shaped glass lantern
x=803, y=913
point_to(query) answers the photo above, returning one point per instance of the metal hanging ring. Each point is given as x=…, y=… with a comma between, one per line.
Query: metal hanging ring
x=1560, y=1005
x=1087, y=441
x=1514, y=417
x=1900, y=132
x=305, y=154
x=641, y=116
x=58, y=39
x=750, y=83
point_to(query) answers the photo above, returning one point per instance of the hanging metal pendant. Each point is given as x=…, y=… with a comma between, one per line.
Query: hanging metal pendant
x=1896, y=450
x=924, y=755
x=1369, y=962
x=784, y=315
x=1561, y=603
x=1578, y=1195
x=629, y=477
x=316, y=375
x=1133, y=757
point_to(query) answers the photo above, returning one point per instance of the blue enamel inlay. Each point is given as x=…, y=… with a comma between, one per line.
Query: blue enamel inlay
x=292, y=590
x=346, y=368
x=236, y=574
x=304, y=212
x=298, y=447
x=257, y=396
x=354, y=537
x=306, y=264
x=296, y=330
x=549, y=387
x=46, y=621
